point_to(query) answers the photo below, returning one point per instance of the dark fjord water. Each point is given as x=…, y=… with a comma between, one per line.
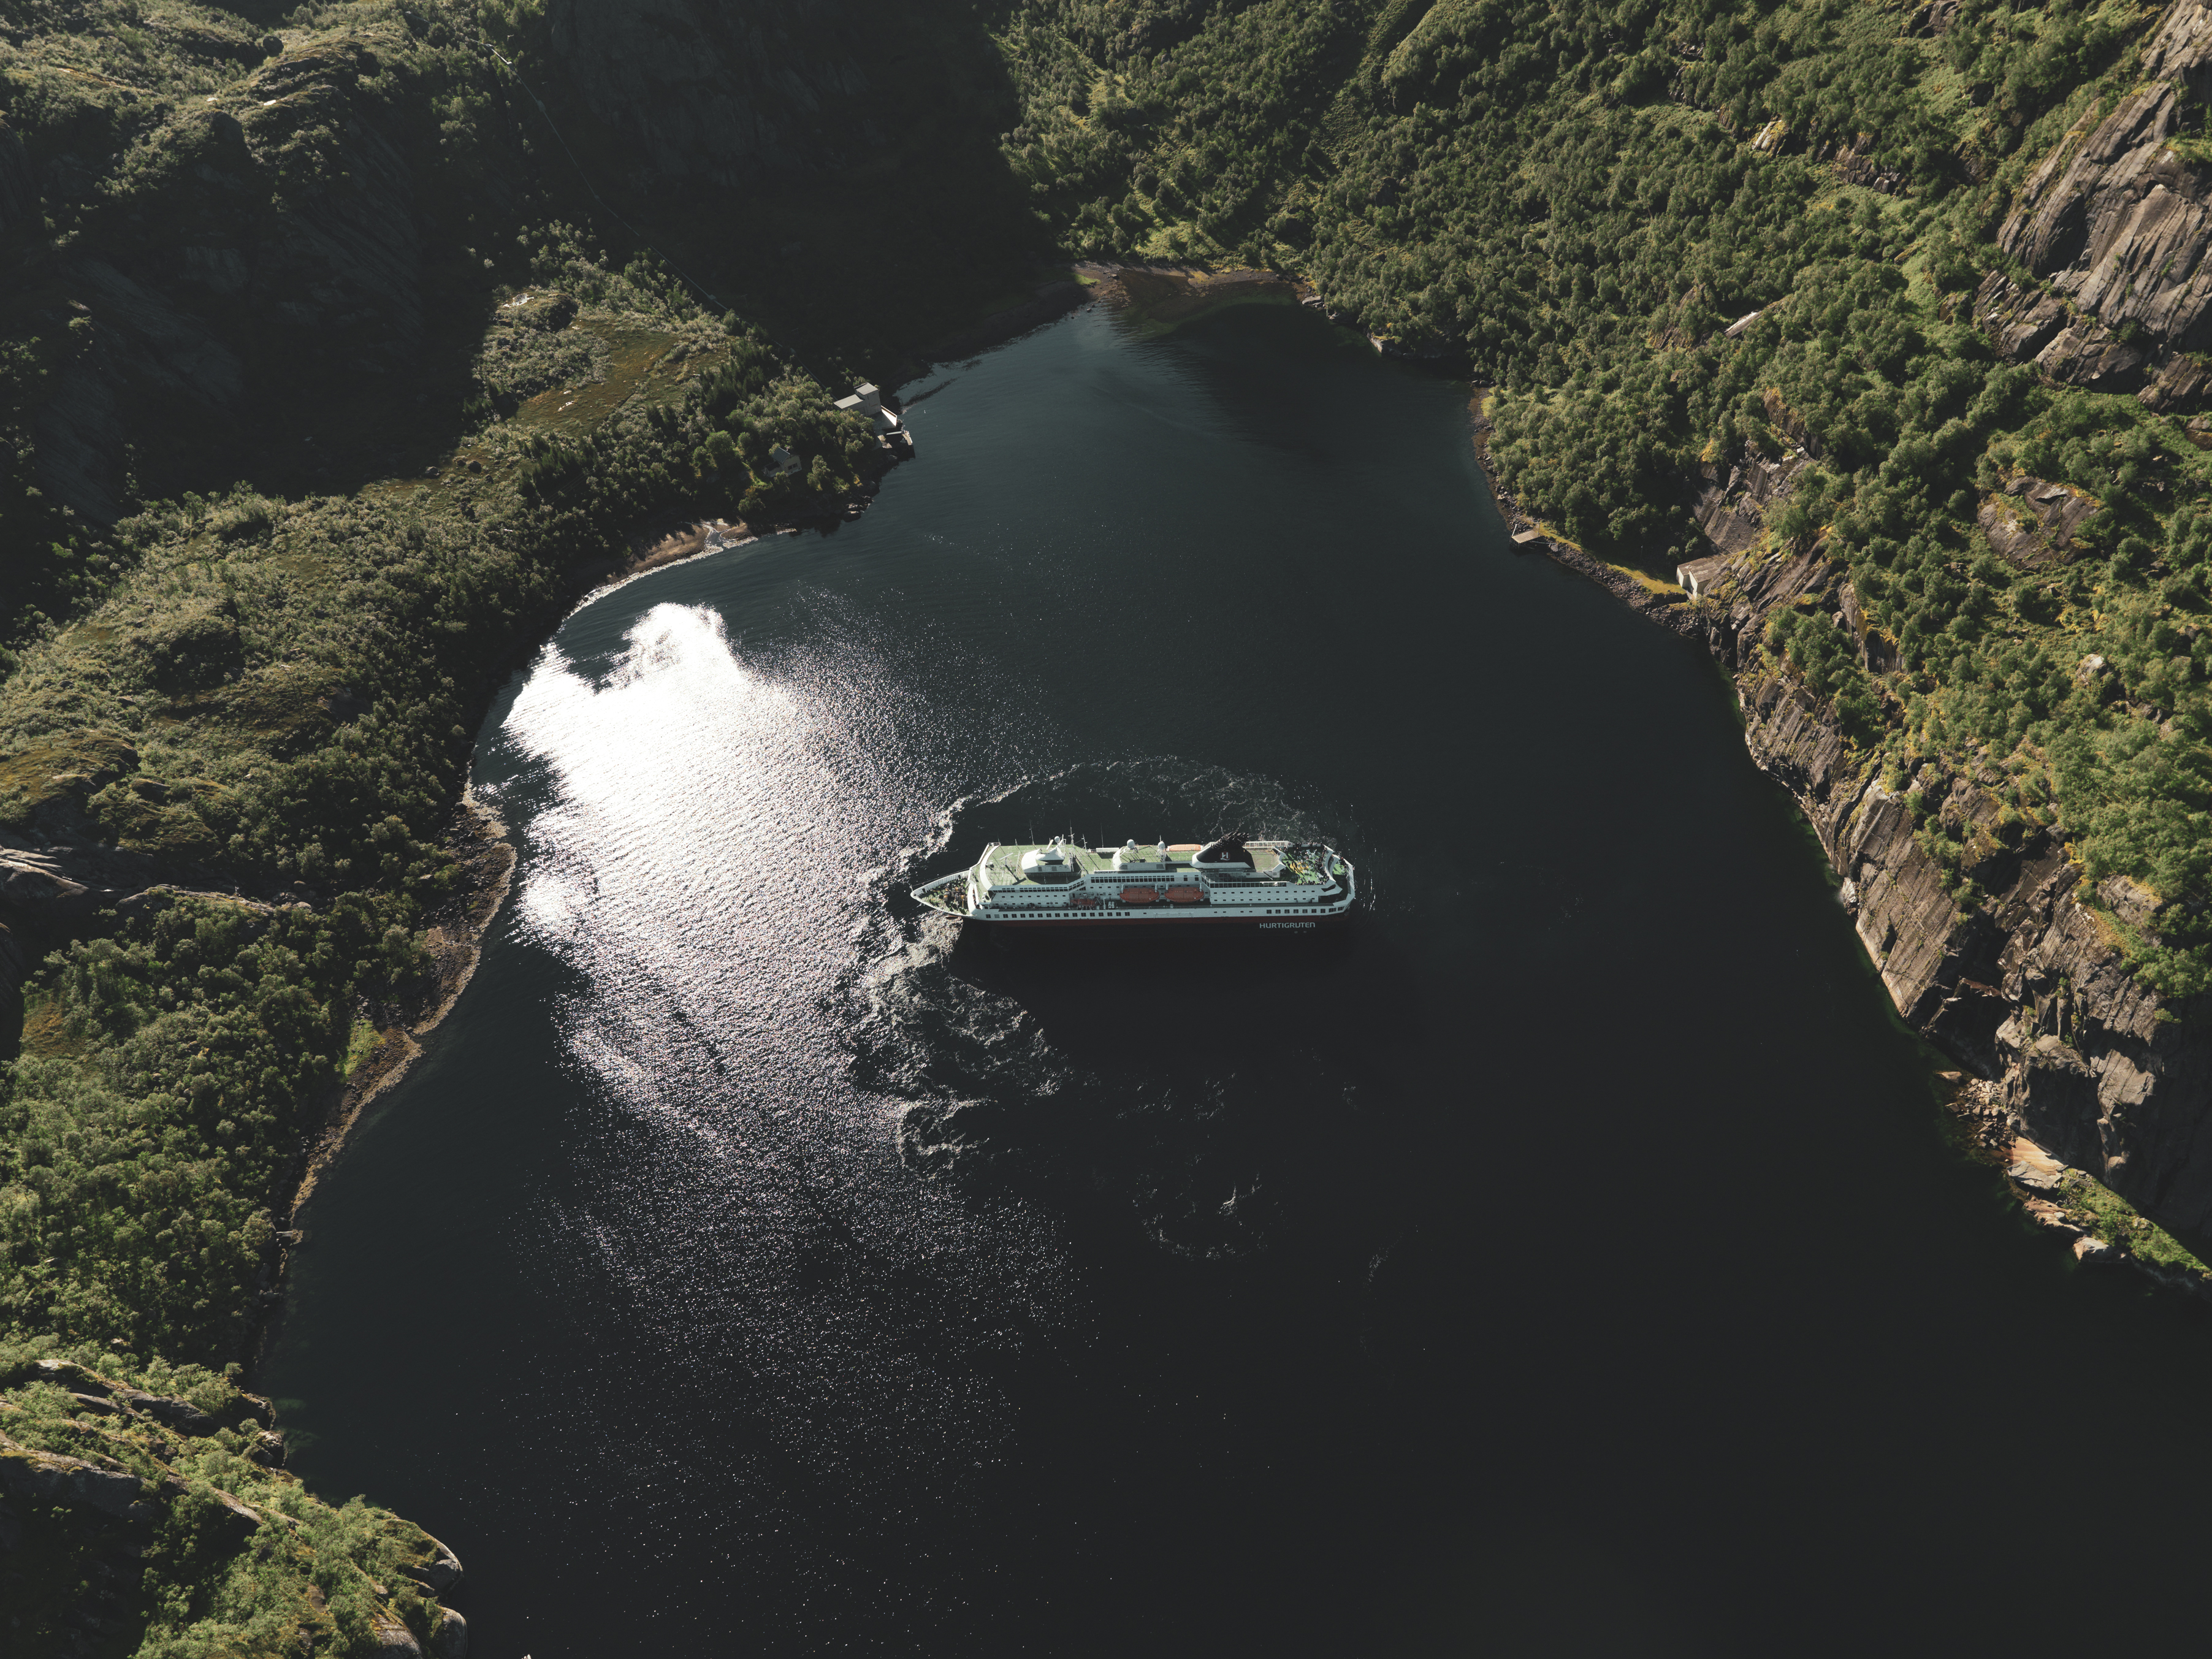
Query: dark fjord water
x=1569, y=1263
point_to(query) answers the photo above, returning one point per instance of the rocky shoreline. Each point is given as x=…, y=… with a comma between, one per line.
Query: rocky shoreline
x=65, y=885
x=137, y=1471
x=1164, y=297
x=479, y=840
x=454, y=944
x=2077, y=1069
x=2101, y=1087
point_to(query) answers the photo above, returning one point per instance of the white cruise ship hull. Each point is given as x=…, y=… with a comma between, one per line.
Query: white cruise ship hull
x=1281, y=889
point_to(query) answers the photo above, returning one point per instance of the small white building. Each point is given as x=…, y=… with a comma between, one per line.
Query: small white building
x=1700, y=576
x=868, y=400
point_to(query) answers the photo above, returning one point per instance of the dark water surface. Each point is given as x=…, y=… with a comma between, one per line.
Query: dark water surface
x=1571, y=1263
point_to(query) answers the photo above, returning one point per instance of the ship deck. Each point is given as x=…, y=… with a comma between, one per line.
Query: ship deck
x=1004, y=867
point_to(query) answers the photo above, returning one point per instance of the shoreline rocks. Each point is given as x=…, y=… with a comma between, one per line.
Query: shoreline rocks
x=2028, y=989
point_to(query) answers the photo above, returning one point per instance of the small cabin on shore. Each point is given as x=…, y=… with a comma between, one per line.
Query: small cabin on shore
x=868, y=400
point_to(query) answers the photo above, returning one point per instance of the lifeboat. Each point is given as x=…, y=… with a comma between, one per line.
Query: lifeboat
x=1185, y=895
x=1139, y=895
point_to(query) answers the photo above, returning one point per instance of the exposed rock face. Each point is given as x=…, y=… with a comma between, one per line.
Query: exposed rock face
x=2019, y=321
x=179, y=1414
x=2117, y=222
x=442, y=1571
x=451, y=1639
x=71, y=1480
x=2086, y=355
x=2071, y=348
x=389, y=1639
x=262, y=267
x=345, y=251
x=1731, y=508
x=2029, y=988
x=2034, y=522
x=2180, y=381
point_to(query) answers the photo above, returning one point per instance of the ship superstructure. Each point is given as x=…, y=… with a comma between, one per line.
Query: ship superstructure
x=1278, y=886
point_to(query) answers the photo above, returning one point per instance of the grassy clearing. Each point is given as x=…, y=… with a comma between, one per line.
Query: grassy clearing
x=633, y=361
x=357, y=1046
x=1650, y=583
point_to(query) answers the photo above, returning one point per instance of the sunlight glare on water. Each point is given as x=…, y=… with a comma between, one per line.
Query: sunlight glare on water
x=670, y=780
x=699, y=857
x=1568, y=1263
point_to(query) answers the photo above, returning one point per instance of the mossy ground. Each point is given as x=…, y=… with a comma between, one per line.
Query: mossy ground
x=193, y=1577
x=2105, y=1214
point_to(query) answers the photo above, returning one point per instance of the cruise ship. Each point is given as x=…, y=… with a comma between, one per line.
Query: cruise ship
x=1267, y=886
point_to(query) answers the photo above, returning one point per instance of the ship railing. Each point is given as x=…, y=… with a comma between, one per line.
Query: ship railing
x=933, y=894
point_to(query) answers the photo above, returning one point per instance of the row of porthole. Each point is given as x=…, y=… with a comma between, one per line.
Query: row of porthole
x=1148, y=910
x=1072, y=906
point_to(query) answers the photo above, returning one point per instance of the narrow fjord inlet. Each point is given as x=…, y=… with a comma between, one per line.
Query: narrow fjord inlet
x=1567, y=1262
x=1084, y=828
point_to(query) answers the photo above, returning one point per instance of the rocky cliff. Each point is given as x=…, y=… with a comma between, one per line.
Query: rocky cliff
x=115, y=1499
x=2027, y=988
x=724, y=93
x=2113, y=227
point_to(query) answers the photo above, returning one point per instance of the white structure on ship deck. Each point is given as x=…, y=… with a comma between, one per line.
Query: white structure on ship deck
x=1269, y=884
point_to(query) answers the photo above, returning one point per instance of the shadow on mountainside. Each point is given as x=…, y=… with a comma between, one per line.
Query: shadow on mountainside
x=233, y=253
x=833, y=173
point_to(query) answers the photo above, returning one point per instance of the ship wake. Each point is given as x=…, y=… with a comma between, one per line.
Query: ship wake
x=1192, y=1086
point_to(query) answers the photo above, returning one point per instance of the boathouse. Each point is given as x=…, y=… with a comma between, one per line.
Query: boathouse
x=868, y=400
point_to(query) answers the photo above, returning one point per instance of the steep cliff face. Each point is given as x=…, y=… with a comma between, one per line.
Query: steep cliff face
x=832, y=168
x=2117, y=222
x=1732, y=500
x=227, y=256
x=722, y=93
x=2029, y=987
x=770, y=101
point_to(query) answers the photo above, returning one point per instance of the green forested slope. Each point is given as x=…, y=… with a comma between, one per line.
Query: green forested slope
x=317, y=411
x=1572, y=200
x=318, y=387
